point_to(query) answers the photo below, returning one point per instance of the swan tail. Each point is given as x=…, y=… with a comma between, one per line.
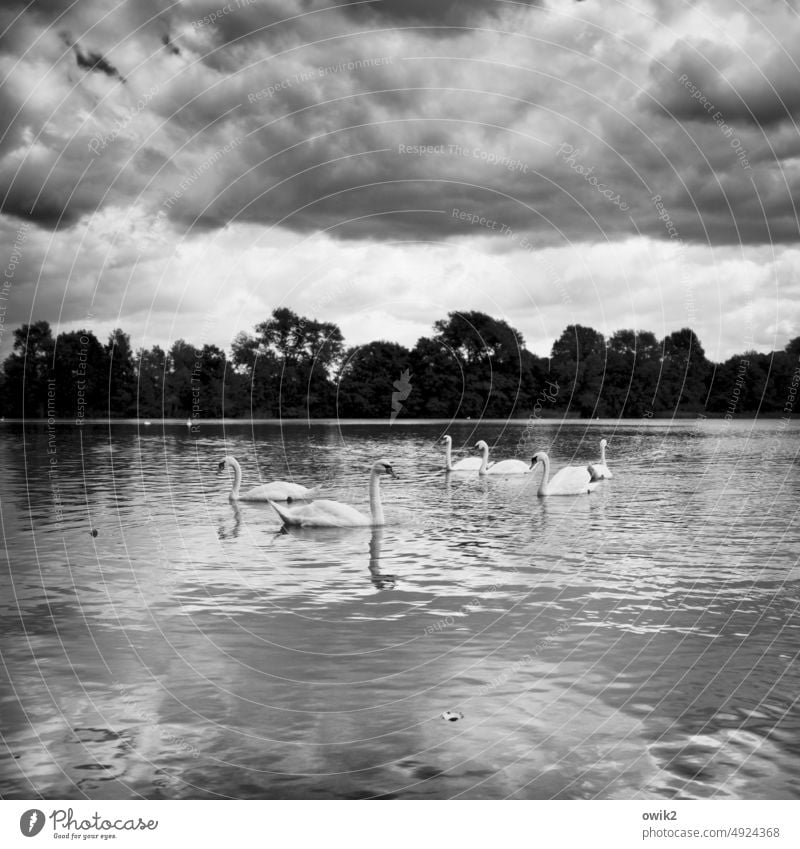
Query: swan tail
x=314, y=491
x=284, y=514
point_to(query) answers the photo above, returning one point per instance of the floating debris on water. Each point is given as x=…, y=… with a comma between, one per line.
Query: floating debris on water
x=452, y=715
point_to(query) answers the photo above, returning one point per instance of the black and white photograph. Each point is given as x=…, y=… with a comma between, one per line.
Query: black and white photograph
x=400, y=402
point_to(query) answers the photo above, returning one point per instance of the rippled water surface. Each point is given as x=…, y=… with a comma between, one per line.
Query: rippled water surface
x=639, y=642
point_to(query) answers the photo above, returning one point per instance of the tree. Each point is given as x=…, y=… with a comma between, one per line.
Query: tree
x=307, y=354
x=579, y=359
x=178, y=390
x=27, y=370
x=684, y=373
x=209, y=377
x=631, y=375
x=121, y=375
x=256, y=375
x=151, y=373
x=476, y=338
x=490, y=353
x=438, y=384
x=80, y=368
x=367, y=378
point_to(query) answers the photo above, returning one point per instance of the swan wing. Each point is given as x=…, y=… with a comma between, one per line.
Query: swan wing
x=321, y=514
x=571, y=480
x=279, y=491
x=468, y=464
x=599, y=471
x=509, y=467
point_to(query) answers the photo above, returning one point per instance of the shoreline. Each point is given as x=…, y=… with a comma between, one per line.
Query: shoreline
x=181, y=422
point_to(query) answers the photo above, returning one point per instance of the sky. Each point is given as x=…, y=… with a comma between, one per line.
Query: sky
x=181, y=170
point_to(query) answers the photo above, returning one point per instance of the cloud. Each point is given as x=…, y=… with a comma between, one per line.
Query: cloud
x=92, y=61
x=704, y=78
x=450, y=12
x=167, y=42
x=329, y=117
x=518, y=127
x=207, y=287
x=327, y=114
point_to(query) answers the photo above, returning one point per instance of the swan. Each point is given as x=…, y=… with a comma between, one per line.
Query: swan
x=571, y=480
x=468, y=464
x=503, y=467
x=600, y=470
x=334, y=514
x=275, y=491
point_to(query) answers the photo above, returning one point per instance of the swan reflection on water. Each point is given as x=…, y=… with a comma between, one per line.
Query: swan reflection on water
x=381, y=581
x=330, y=539
x=231, y=532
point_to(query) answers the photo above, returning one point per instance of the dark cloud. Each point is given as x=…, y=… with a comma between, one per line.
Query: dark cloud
x=700, y=78
x=312, y=124
x=92, y=61
x=167, y=42
x=444, y=12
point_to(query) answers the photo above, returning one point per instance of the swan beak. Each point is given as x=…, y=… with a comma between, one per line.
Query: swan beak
x=394, y=474
x=221, y=466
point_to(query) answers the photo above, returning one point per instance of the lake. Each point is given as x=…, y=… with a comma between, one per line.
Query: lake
x=640, y=642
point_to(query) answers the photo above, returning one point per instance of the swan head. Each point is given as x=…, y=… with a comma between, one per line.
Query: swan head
x=603, y=443
x=223, y=464
x=482, y=445
x=538, y=457
x=447, y=439
x=384, y=467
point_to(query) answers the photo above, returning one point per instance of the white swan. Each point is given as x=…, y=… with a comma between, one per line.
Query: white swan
x=571, y=480
x=503, y=467
x=334, y=514
x=600, y=470
x=275, y=491
x=468, y=464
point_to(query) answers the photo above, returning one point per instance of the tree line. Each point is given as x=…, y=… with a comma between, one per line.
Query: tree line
x=473, y=365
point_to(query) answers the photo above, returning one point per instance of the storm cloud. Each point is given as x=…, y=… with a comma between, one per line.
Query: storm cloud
x=524, y=126
x=383, y=132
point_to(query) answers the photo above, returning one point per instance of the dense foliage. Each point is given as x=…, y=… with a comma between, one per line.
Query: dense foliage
x=472, y=366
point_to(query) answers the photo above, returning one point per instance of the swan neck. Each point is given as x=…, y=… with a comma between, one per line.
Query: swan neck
x=545, y=475
x=485, y=462
x=237, y=477
x=448, y=464
x=375, y=506
x=603, y=454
